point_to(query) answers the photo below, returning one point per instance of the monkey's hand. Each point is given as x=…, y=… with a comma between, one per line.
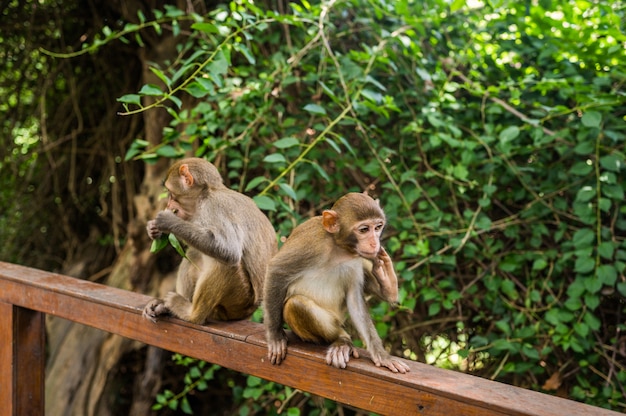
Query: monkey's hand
x=277, y=347
x=386, y=277
x=153, y=309
x=338, y=354
x=153, y=231
x=165, y=221
x=394, y=364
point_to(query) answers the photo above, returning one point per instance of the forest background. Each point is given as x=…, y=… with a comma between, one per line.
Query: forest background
x=492, y=132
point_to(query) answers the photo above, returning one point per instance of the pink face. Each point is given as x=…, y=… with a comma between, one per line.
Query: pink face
x=368, y=234
x=183, y=207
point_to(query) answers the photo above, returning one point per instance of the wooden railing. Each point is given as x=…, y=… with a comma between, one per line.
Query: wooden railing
x=27, y=294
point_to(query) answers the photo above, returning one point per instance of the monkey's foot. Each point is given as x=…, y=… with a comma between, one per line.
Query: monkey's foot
x=153, y=309
x=338, y=354
x=393, y=364
x=277, y=348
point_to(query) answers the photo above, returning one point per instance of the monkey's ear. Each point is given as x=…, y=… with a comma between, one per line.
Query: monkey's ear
x=186, y=176
x=330, y=221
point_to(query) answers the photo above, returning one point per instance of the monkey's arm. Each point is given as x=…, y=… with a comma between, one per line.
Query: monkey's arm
x=381, y=279
x=224, y=244
x=367, y=331
x=275, y=292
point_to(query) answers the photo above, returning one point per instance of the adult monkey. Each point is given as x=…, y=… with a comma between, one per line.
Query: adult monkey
x=230, y=243
x=323, y=268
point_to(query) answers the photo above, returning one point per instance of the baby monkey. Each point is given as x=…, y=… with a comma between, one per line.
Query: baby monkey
x=324, y=268
x=230, y=242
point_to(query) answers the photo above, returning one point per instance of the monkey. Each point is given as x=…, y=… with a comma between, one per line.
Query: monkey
x=230, y=242
x=323, y=269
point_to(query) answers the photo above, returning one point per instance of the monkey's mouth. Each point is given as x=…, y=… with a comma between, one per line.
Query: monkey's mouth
x=368, y=254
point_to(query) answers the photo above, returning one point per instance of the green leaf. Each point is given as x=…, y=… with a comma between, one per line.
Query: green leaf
x=615, y=192
x=581, y=329
x=196, y=90
x=373, y=96
x=288, y=190
x=253, y=381
x=540, y=264
x=585, y=194
x=275, y=158
x=130, y=99
x=205, y=27
x=167, y=151
x=607, y=274
x=177, y=101
x=286, y=142
x=173, y=404
x=593, y=284
x=185, y=407
x=255, y=182
x=584, y=265
x=320, y=171
x=583, y=238
x=581, y=169
x=265, y=202
x=530, y=352
x=315, y=109
x=508, y=288
x=591, y=119
x=176, y=244
x=219, y=65
x=508, y=134
x=161, y=76
x=606, y=249
x=293, y=411
x=434, y=309
x=150, y=89
x=158, y=244
x=479, y=341
x=240, y=47
x=592, y=322
x=585, y=148
x=612, y=162
x=457, y=5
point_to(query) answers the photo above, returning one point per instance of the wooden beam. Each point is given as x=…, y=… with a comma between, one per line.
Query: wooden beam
x=22, y=360
x=241, y=346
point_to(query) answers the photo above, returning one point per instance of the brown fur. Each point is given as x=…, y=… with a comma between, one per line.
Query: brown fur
x=230, y=242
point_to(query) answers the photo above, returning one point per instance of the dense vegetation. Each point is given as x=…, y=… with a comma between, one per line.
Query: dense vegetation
x=492, y=132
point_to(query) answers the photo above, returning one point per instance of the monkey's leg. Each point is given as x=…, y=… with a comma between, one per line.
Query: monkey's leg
x=221, y=293
x=311, y=322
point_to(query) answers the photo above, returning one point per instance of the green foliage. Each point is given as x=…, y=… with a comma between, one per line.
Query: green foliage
x=493, y=134
x=197, y=378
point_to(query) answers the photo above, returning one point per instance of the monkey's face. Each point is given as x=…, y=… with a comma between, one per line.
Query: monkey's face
x=181, y=205
x=182, y=199
x=365, y=236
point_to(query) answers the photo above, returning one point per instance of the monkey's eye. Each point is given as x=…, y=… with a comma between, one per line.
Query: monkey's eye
x=379, y=227
x=364, y=229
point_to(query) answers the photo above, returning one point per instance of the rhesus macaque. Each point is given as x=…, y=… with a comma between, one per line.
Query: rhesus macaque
x=324, y=268
x=230, y=242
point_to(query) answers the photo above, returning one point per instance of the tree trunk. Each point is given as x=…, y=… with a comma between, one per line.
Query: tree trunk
x=85, y=369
